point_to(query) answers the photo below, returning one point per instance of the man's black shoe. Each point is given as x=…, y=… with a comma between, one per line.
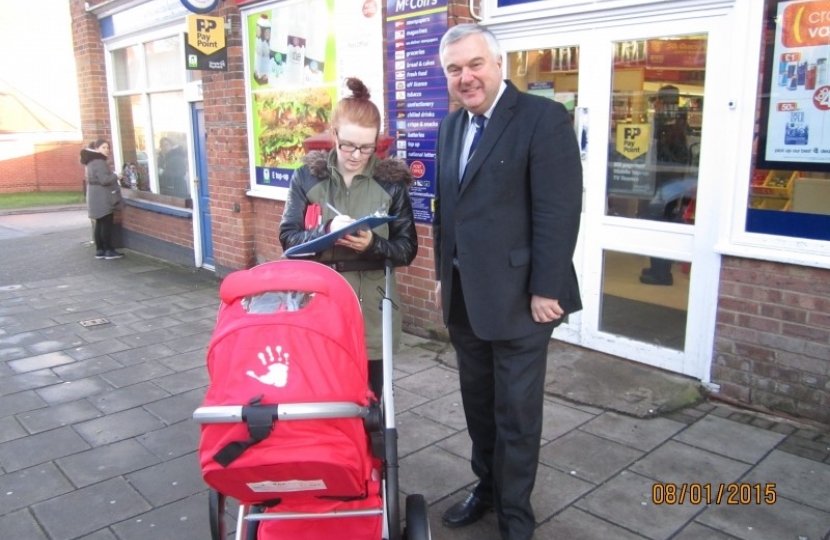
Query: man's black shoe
x=651, y=279
x=466, y=512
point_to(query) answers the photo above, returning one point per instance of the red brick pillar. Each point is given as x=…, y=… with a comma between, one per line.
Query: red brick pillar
x=92, y=73
x=227, y=153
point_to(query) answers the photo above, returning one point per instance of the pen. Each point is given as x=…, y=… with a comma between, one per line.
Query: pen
x=333, y=209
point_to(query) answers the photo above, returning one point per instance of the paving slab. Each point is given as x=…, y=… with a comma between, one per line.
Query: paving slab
x=677, y=463
x=55, y=416
x=626, y=500
x=182, y=520
x=23, y=488
x=784, y=519
x=118, y=426
x=576, y=524
x=587, y=456
x=169, y=481
x=612, y=429
x=105, y=462
x=88, y=509
x=21, y=524
x=40, y=448
x=795, y=478
x=634, y=432
x=730, y=439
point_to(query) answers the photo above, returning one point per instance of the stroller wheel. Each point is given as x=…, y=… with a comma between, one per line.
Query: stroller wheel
x=216, y=514
x=417, y=520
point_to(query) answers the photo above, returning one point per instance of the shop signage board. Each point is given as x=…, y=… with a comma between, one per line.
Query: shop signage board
x=416, y=92
x=797, y=117
x=141, y=16
x=299, y=55
x=205, y=43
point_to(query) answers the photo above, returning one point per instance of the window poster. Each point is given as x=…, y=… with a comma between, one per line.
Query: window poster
x=416, y=91
x=299, y=54
x=796, y=118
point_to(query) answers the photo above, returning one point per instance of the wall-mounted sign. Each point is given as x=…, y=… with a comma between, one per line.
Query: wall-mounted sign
x=200, y=6
x=416, y=92
x=205, y=43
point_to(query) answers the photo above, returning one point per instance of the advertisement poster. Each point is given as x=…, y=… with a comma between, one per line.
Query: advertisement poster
x=299, y=54
x=632, y=170
x=797, y=118
x=416, y=92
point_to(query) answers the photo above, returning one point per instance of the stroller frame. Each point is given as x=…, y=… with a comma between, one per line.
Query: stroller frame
x=417, y=522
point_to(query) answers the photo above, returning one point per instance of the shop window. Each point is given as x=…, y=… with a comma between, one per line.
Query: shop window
x=164, y=62
x=131, y=130
x=169, y=129
x=127, y=69
x=789, y=184
x=655, y=130
x=152, y=118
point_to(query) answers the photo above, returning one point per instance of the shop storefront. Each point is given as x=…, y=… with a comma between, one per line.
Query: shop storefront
x=705, y=244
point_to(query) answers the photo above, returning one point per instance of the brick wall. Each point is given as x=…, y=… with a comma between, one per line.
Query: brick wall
x=31, y=167
x=232, y=211
x=772, y=344
x=171, y=229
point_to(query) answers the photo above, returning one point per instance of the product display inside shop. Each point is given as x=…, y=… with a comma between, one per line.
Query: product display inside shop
x=791, y=151
x=790, y=191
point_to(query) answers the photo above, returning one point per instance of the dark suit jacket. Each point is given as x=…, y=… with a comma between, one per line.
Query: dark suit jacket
x=514, y=221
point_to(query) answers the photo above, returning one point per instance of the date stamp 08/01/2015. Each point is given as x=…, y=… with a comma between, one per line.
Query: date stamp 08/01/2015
x=698, y=493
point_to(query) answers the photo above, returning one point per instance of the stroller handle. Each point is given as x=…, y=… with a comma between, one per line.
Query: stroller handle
x=283, y=275
x=225, y=414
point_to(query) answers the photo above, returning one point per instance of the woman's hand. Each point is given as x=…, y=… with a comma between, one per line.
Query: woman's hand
x=340, y=222
x=359, y=241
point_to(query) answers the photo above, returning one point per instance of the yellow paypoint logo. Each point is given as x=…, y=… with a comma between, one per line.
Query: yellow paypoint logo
x=206, y=34
x=633, y=139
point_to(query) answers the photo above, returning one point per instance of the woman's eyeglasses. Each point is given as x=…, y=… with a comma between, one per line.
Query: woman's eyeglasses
x=350, y=148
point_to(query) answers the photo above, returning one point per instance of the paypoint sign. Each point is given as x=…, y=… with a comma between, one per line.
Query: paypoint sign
x=633, y=139
x=206, y=43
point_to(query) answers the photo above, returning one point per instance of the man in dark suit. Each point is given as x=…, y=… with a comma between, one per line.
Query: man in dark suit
x=505, y=229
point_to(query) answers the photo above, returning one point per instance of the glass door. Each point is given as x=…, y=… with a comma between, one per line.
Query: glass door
x=645, y=263
x=654, y=136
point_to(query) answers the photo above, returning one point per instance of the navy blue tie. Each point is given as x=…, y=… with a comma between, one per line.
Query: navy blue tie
x=478, y=120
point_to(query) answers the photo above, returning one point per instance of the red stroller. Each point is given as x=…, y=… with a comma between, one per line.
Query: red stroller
x=289, y=426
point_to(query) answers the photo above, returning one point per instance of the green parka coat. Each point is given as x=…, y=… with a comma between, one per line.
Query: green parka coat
x=383, y=187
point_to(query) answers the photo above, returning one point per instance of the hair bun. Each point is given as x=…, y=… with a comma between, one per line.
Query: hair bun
x=359, y=90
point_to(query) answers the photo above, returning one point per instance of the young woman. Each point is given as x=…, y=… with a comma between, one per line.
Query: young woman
x=100, y=184
x=348, y=183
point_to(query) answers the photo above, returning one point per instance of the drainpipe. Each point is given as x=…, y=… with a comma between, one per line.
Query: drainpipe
x=473, y=13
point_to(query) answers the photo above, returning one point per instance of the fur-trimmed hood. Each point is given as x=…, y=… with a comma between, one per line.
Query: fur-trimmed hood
x=390, y=169
x=88, y=154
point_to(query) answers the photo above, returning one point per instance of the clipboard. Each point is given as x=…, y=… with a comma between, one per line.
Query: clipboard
x=318, y=245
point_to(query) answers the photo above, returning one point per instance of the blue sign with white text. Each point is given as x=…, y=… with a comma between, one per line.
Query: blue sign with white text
x=416, y=92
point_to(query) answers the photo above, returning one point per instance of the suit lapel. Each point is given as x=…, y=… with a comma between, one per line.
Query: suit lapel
x=502, y=115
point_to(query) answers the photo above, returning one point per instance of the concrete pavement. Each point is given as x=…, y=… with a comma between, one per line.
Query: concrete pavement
x=102, y=365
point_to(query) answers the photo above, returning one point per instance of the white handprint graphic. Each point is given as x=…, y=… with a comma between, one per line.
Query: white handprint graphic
x=277, y=374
